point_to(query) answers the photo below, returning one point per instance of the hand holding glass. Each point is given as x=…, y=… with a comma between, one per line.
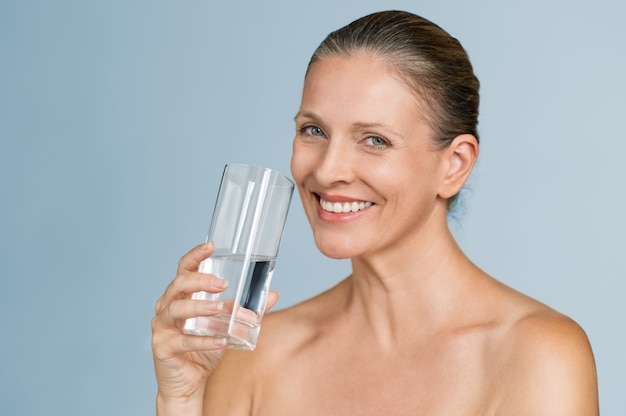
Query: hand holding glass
x=246, y=228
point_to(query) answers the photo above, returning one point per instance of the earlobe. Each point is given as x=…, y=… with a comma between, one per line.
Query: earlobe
x=460, y=157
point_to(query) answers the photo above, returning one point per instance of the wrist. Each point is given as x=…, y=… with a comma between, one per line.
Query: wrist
x=174, y=406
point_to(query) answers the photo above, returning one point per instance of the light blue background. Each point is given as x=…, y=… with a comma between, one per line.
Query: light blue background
x=116, y=118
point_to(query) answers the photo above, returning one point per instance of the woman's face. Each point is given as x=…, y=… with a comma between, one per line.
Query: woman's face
x=363, y=158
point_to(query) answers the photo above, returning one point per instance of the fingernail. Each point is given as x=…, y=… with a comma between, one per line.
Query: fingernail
x=216, y=306
x=219, y=342
x=220, y=283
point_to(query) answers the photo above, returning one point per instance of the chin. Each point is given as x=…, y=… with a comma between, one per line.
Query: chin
x=336, y=249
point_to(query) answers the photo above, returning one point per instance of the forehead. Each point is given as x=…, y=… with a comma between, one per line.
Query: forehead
x=360, y=86
x=351, y=71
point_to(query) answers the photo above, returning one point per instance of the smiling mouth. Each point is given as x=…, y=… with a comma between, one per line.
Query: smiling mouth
x=344, y=207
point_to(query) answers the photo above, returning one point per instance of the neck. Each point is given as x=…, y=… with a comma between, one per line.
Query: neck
x=411, y=289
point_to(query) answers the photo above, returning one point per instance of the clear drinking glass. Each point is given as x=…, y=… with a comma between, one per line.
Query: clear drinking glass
x=247, y=226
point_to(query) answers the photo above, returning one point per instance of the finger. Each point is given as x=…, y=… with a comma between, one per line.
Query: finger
x=272, y=298
x=180, y=310
x=191, y=343
x=167, y=345
x=196, y=282
x=190, y=261
x=188, y=283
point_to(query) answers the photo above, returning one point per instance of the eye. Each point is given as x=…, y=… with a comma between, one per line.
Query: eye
x=313, y=131
x=375, y=141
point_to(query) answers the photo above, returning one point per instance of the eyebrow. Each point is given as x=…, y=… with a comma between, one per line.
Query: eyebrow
x=363, y=125
x=306, y=114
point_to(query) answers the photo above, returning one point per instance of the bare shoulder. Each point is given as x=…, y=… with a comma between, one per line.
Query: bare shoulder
x=547, y=365
x=234, y=387
x=287, y=331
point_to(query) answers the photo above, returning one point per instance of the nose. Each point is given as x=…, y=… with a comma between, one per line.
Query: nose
x=336, y=164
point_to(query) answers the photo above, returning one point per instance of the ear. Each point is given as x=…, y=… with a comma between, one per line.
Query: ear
x=459, y=159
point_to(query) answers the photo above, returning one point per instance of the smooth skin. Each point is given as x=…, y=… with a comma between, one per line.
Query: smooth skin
x=417, y=328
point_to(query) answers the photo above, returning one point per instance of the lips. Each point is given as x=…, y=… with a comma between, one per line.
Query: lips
x=344, y=207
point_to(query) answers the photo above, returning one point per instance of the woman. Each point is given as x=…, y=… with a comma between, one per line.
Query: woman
x=385, y=139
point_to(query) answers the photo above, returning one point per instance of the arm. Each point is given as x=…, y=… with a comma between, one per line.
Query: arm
x=552, y=370
x=230, y=389
x=183, y=362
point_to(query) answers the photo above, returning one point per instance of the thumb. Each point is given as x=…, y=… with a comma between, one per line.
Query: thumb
x=272, y=298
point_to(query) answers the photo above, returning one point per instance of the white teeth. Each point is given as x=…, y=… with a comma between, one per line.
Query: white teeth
x=344, y=207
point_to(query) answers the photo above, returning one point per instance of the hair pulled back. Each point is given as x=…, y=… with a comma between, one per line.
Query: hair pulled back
x=431, y=61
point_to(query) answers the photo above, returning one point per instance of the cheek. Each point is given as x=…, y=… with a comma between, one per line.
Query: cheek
x=385, y=176
x=295, y=164
x=301, y=162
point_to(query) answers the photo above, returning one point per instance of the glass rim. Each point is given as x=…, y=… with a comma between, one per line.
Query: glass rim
x=262, y=168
